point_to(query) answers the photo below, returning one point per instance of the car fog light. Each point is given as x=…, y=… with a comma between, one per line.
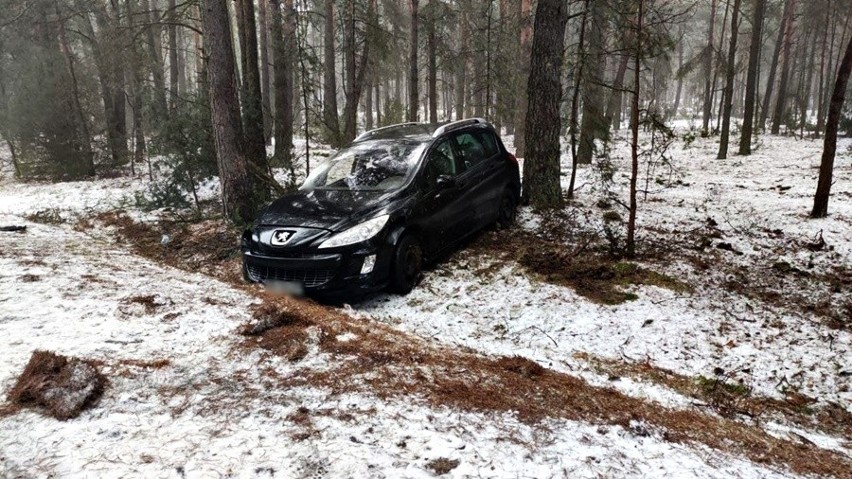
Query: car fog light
x=369, y=262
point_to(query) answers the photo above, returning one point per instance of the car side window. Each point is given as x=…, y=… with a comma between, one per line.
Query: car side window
x=442, y=162
x=489, y=142
x=471, y=149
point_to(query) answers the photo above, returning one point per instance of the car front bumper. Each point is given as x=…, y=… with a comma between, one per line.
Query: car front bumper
x=337, y=272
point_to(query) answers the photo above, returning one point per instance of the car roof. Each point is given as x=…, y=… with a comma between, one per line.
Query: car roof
x=420, y=132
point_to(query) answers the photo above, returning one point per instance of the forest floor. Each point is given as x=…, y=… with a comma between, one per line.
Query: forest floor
x=724, y=350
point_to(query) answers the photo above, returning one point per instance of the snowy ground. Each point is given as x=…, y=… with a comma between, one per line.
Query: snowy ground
x=209, y=413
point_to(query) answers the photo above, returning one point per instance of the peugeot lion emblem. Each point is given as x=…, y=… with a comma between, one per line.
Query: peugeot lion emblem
x=281, y=237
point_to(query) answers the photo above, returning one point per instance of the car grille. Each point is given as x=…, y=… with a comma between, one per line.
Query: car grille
x=308, y=278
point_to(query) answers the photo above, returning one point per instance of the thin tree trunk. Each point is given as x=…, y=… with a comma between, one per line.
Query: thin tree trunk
x=780, y=103
x=630, y=245
x=822, y=73
x=708, y=70
x=613, y=109
x=729, y=82
x=575, y=98
x=174, y=73
x=679, y=89
x=330, y=118
x=829, y=150
x=413, y=94
x=751, y=80
x=83, y=137
x=265, y=81
x=593, y=126
x=543, y=122
x=433, y=63
x=461, y=64
x=283, y=43
x=152, y=30
x=239, y=200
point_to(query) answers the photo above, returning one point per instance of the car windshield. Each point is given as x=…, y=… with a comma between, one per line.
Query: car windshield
x=377, y=165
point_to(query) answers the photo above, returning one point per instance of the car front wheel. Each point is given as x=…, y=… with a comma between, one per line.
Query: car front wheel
x=407, y=265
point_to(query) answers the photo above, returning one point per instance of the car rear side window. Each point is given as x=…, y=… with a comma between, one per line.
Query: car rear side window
x=489, y=142
x=470, y=148
x=442, y=162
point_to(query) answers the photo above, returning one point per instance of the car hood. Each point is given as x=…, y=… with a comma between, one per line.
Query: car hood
x=326, y=209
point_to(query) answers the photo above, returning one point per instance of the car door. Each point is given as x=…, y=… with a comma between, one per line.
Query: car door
x=442, y=209
x=480, y=164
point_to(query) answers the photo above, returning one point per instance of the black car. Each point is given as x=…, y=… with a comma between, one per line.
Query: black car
x=369, y=217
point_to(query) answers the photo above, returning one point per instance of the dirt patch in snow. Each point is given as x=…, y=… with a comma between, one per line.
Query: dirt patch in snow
x=59, y=386
x=442, y=465
x=590, y=272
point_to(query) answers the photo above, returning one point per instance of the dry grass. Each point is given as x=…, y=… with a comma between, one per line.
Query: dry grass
x=61, y=387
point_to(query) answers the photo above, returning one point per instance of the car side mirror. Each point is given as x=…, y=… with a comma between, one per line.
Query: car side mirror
x=445, y=182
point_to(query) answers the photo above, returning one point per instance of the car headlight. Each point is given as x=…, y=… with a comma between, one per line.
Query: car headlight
x=357, y=234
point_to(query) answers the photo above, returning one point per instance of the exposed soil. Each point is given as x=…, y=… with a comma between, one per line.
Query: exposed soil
x=59, y=386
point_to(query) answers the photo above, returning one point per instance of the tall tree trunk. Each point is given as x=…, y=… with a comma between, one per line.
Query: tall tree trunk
x=329, y=111
x=613, y=109
x=265, y=82
x=751, y=79
x=413, y=94
x=87, y=160
x=283, y=43
x=780, y=103
x=433, y=63
x=829, y=150
x=822, y=72
x=525, y=45
x=805, y=98
x=174, y=73
x=729, y=82
x=239, y=200
x=255, y=141
x=593, y=126
x=630, y=244
x=679, y=89
x=770, y=84
x=708, y=71
x=543, y=122
x=461, y=64
x=152, y=31
x=575, y=97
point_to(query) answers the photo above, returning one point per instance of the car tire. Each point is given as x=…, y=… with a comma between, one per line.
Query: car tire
x=246, y=276
x=407, y=265
x=507, y=210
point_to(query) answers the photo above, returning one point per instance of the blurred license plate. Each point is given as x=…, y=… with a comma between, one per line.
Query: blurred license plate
x=292, y=288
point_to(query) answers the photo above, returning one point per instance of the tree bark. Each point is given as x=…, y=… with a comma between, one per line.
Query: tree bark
x=283, y=43
x=174, y=73
x=708, y=71
x=329, y=111
x=355, y=73
x=729, y=82
x=87, y=166
x=835, y=108
x=751, y=79
x=578, y=75
x=593, y=126
x=781, y=101
x=265, y=82
x=630, y=245
x=413, y=94
x=255, y=141
x=543, y=122
x=522, y=106
x=770, y=84
x=239, y=200
x=431, y=40
x=152, y=31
